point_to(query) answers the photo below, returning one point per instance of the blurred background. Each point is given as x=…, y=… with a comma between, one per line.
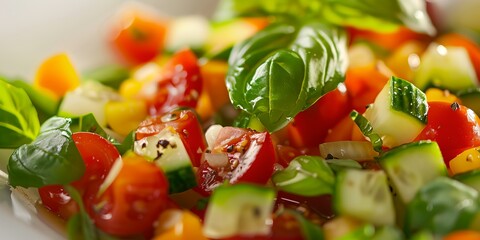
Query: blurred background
x=30, y=30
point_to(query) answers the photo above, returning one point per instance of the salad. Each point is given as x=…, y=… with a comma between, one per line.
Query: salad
x=274, y=119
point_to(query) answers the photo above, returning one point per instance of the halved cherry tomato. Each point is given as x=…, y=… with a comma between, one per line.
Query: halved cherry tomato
x=186, y=123
x=134, y=200
x=310, y=127
x=251, y=158
x=138, y=36
x=180, y=84
x=98, y=154
x=454, y=127
x=458, y=40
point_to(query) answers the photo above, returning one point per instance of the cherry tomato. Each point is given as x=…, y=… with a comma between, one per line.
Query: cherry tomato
x=134, y=200
x=179, y=86
x=323, y=115
x=186, y=123
x=98, y=154
x=454, y=127
x=138, y=37
x=251, y=158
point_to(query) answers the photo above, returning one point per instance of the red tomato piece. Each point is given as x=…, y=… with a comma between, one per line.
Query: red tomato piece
x=98, y=154
x=454, y=127
x=251, y=158
x=138, y=37
x=389, y=41
x=310, y=127
x=180, y=84
x=186, y=123
x=134, y=200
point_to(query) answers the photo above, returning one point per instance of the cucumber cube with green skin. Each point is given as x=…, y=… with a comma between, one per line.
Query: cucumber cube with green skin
x=241, y=209
x=399, y=112
x=365, y=195
x=446, y=67
x=168, y=152
x=411, y=166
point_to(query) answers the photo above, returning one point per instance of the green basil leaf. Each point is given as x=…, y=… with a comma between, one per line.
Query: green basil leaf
x=305, y=176
x=80, y=226
x=19, y=122
x=45, y=104
x=367, y=130
x=127, y=143
x=442, y=206
x=246, y=120
x=284, y=69
x=52, y=158
x=338, y=165
x=88, y=123
x=379, y=15
x=228, y=9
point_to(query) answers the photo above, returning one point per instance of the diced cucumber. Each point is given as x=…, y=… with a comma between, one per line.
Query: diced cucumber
x=411, y=166
x=168, y=152
x=399, y=112
x=470, y=178
x=471, y=99
x=365, y=195
x=445, y=67
x=109, y=75
x=90, y=97
x=241, y=209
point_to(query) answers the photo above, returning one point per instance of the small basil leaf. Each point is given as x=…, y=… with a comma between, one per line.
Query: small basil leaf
x=442, y=206
x=305, y=176
x=80, y=226
x=52, y=158
x=88, y=123
x=19, y=122
x=379, y=15
x=367, y=130
x=127, y=143
x=284, y=69
x=338, y=165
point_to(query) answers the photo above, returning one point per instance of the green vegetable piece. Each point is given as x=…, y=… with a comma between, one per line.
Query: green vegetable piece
x=110, y=75
x=305, y=176
x=470, y=178
x=88, y=123
x=470, y=98
x=367, y=130
x=338, y=165
x=19, y=122
x=80, y=226
x=45, y=104
x=442, y=206
x=310, y=231
x=286, y=68
x=379, y=15
x=52, y=158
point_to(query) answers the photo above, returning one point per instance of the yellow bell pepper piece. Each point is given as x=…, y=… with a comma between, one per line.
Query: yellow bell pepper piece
x=125, y=116
x=57, y=75
x=465, y=161
x=439, y=95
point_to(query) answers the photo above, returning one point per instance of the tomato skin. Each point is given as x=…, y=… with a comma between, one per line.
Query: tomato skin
x=138, y=37
x=324, y=114
x=134, y=200
x=98, y=155
x=251, y=158
x=180, y=85
x=454, y=129
x=186, y=123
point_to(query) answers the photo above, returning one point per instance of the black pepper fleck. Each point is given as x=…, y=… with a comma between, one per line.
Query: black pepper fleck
x=455, y=106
